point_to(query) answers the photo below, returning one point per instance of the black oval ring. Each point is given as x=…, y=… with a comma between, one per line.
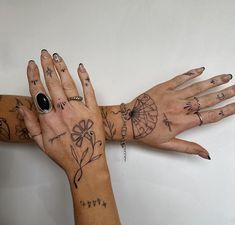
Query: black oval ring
x=43, y=102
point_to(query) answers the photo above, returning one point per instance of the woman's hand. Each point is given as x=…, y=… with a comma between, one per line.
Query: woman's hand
x=71, y=132
x=164, y=111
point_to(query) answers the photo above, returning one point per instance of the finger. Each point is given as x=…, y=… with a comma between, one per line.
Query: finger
x=52, y=80
x=183, y=146
x=202, y=86
x=67, y=82
x=215, y=115
x=217, y=97
x=88, y=90
x=182, y=78
x=36, y=86
x=32, y=125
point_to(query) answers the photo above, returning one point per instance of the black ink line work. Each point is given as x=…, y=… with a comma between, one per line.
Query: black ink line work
x=221, y=113
x=221, y=96
x=63, y=70
x=212, y=81
x=87, y=81
x=189, y=73
x=81, y=132
x=61, y=105
x=188, y=107
x=144, y=116
x=4, y=129
x=167, y=122
x=93, y=203
x=57, y=137
x=34, y=82
x=49, y=72
x=109, y=128
x=22, y=132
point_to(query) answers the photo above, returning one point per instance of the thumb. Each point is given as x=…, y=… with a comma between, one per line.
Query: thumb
x=180, y=145
x=32, y=124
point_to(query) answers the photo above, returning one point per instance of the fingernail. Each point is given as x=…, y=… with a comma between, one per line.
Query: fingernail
x=209, y=158
x=82, y=68
x=57, y=57
x=31, y=62
x=231, y=76
x=203, y=68
x=44, y=53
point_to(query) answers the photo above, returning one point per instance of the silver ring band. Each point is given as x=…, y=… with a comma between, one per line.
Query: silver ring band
x=75, y=98
x=43, y=103
x=200, y=117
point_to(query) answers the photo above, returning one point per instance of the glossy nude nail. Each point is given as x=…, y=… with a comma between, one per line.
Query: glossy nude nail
x=57, y=57
x=82, y=68
x=44, y=53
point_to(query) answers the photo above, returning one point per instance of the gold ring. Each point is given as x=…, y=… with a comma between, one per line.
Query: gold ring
x=75, y=98
x=200, y=117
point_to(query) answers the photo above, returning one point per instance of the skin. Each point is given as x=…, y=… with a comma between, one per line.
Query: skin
x=176, y=109
x=57, y=132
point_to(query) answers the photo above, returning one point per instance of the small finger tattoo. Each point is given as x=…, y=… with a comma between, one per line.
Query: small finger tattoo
x=87, y=81
x=61, y=104
x=221, y=113
x=221, y=96
x=167, y=122
x=212, y=81
x=63, y=70
x=188, y=107
x=49, y=72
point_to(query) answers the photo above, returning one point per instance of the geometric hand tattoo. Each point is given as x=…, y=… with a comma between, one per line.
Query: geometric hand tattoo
x=82, y=132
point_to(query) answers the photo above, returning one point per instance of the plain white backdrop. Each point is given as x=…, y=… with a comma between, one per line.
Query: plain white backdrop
x=128, y=46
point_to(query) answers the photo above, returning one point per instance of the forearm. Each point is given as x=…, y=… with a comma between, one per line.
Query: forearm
x=93, y=199
x=13, y=128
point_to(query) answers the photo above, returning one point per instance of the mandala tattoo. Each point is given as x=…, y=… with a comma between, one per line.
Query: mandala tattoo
x=93, y=203
x=144, y=116
x=109, y=128
x=49, y=72
x=4, y=129
x=82, y=132
x=167, y=122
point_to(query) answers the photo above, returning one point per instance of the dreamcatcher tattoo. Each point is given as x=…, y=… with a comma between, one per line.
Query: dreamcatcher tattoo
x=144, y=116
x=4, y=129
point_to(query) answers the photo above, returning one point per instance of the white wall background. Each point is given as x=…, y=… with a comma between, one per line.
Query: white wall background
x=127, y=46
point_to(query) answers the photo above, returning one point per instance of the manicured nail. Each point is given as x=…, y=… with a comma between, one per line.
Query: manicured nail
x=209, y=158
x=57, y=57
x=31, y=62
x=203, y=68
x=231, y=76
x=82, y=68
x=44, y=53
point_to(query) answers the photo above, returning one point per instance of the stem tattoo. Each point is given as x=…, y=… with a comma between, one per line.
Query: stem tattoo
x=109, y=128
x=82, y=132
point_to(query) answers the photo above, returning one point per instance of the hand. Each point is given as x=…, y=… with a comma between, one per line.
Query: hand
x=164, y=111
x=71, y=133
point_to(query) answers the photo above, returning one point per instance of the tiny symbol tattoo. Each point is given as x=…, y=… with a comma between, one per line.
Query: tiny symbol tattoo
x=221, y=113
x=63, y=70
x=49, y=72
x=61, y=105
x=221, y=96
x=167, y=122
x=34, y=82
x=189, y=73
x=212, y=81
x=188, y=107
x=94, y=203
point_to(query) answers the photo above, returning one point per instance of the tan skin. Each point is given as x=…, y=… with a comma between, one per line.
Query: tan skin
x=171, y=101
x=73, y=137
